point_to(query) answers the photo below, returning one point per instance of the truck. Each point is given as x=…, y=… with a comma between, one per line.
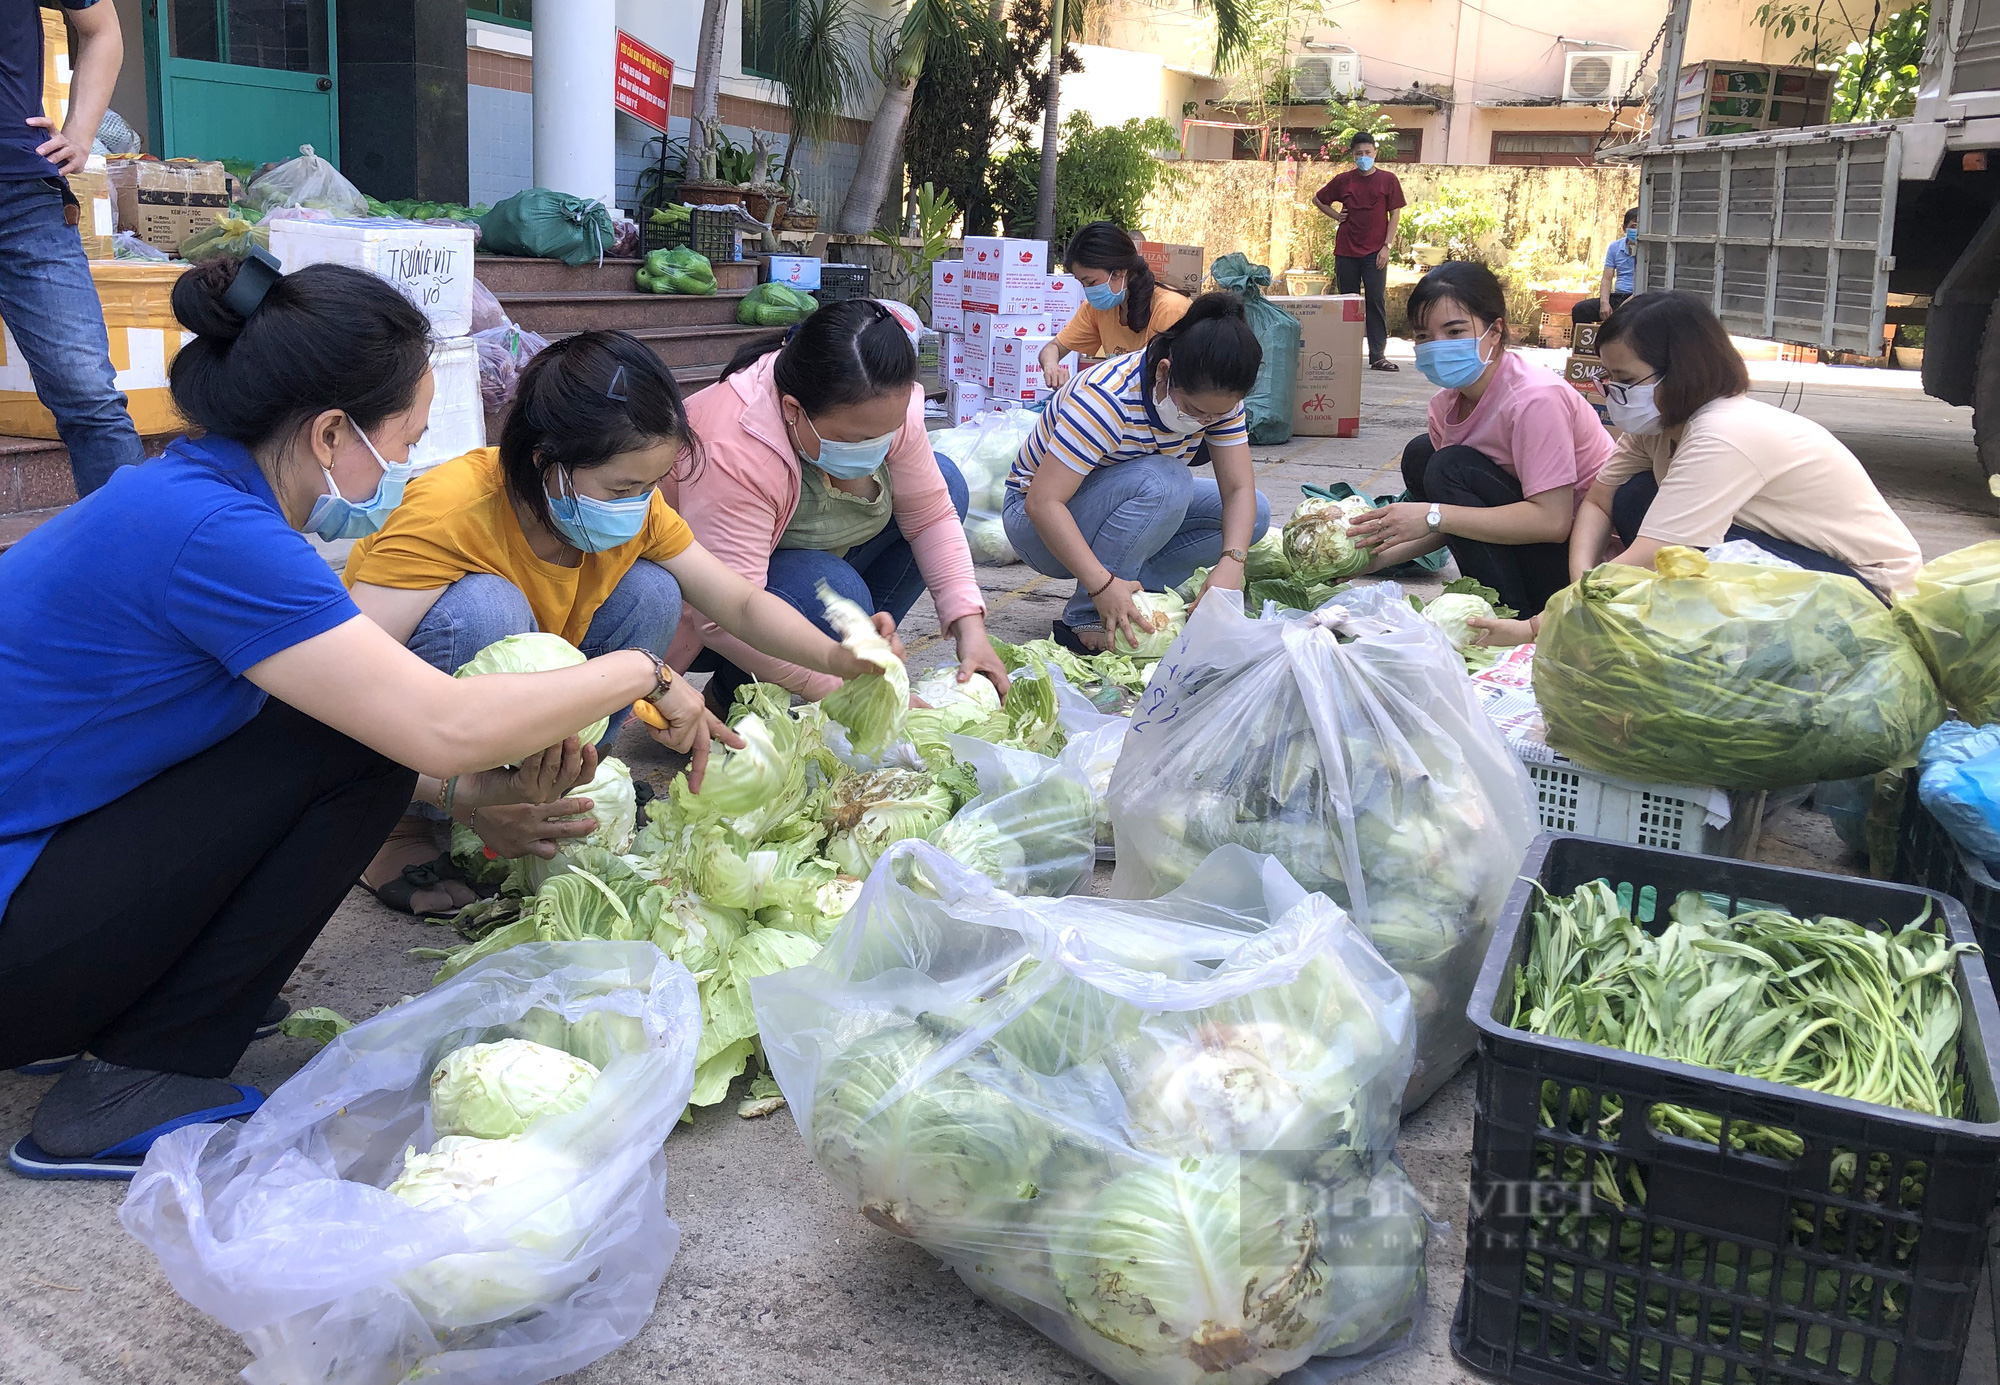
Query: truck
x=1825, y=236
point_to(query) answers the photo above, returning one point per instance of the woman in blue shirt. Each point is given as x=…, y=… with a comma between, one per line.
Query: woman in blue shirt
x=204, y=740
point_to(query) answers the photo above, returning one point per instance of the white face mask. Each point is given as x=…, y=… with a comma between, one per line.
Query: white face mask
x=1631, y=409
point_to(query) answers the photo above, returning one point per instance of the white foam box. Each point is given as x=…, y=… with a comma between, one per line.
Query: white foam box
x=432, y=265
x=1017, y=369
x=964, y=399
x=458, y=414
x=795, y=271
x=1005, y=276
x=983, y=329
x=951, y=357
x=947, y=299
x=1062, y=298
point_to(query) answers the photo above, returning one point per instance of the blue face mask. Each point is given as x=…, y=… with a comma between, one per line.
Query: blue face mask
x=850, y=461
x=591, y=525
x=334, y=517
x=1452, y=364
x=1364, y=162
x=1631, y=237
x=1103, y=296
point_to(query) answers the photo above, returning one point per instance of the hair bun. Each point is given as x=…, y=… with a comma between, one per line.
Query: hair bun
x=198, y=300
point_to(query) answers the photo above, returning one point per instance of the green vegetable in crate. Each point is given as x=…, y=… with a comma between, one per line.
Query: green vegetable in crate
x=674, y=216
x=1953, y=619
x=1726, y=674
x=677, y=270
x=775, y=305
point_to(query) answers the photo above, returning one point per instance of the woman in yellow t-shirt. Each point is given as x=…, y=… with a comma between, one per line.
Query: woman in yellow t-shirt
x=1123, y=309
x=560, y=529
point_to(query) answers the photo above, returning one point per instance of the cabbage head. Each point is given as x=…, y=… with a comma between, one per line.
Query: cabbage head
x=986, y=536
x=939, y=1155
x=491, y=1091
x=1451, y=612
x=864, y=813
x=1168, y=613
x=1317, y=543
x=873, y=706
x=1230, y=1087
x=612, y=803
x=532, y=653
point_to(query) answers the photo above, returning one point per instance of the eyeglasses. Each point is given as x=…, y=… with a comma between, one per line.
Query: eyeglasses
x=1198, y=417
x=1620, y=391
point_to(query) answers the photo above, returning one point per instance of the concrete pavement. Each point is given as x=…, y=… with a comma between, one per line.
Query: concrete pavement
x=777, y=1282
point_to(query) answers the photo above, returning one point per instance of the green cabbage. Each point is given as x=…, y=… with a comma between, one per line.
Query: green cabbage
x=1316, y=542
x=1451, y=612
x=491, y=1091
x=866, y=812
x=873, y=706
x=1168, y=613
x=532, y=653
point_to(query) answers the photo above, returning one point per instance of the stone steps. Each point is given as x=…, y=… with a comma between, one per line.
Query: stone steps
x=514, y=274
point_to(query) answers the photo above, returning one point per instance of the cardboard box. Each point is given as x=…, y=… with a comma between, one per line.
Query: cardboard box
x=55, y=67
x=1582, y=372
x=136, y=299
x=964, y=399
x=795, y=271
x=1017, y=369
x=1062, y=299
x=1005, y=276
x=163, y=203
x=1583, y=338
x=983, y=329
x=1179, y=267
x=951, y=357
x=1333, y=352
x=431, y=265
x=947, y=295
x=97, y=222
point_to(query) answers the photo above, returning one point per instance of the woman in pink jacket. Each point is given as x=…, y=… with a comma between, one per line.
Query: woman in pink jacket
x=814, y=466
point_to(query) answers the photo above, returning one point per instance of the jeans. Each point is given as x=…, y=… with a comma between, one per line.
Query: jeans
x=230, y=864
x=1361, y=274
x=52, y=311
x=1525, y=574
x=1632, y=499
x=1148, y=521
x=642, y=612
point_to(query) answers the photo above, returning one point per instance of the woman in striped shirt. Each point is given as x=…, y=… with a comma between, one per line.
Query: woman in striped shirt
x=1118, y=510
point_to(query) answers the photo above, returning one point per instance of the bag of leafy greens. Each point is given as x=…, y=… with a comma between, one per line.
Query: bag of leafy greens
x=1731, y=675
x=1032, y=829
x=1161, y=1133
x=431, y=1198
x=1349, y=744
x=1953, y=619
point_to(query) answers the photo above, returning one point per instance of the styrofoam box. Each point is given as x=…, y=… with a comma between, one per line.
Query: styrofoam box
x=1062, y=297
x=1004, y=275
x=795, y=271
x=965, y=399
x=430, y=264
x=458, y=415
x=947, y=301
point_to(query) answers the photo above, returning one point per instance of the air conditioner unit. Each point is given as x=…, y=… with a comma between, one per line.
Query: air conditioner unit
x=1598, y=76
x=1346, y=74
x=1312, y=79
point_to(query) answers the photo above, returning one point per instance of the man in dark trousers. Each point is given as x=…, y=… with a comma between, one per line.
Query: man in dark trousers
x=47, y=298
x=1371, y=203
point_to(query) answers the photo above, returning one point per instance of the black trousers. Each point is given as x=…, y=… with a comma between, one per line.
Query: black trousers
x=1586, y=311
x=1525, y=574
x=1360, y=274
x=155, y=931
x=1631, y=500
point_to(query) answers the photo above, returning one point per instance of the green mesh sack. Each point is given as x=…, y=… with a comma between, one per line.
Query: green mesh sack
x=1954, y=621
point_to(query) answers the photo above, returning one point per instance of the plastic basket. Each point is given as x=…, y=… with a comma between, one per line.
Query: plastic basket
x=709, y=234
x=1570, y=798
x=840, y=282
x=1732, y=1267
x=1926, y=855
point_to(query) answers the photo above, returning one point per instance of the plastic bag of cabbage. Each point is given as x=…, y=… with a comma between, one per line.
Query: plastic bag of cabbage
x=1161, y=1133
x=984, y=451
x=1349, y=744
x=351, y=1242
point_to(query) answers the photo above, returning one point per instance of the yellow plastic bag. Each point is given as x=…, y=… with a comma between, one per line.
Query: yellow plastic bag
x=1954, y=621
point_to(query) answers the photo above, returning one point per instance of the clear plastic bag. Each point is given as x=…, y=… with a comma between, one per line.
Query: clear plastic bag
x=985, y=450
x=1160, y=1132
x=1348, y=743
x=306, y=181
x=1032, y=830
x=280, y=1227
x=1095, y=740
x=986, y=536
x=504, y=352
x=487, y=313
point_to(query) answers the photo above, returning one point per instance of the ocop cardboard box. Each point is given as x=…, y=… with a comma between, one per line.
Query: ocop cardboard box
x=948, y=296
x=163, y=203
x=1177, y=266
x=1017, y=369
x=1333, y=352
x=145, y=337
x=1005, y=276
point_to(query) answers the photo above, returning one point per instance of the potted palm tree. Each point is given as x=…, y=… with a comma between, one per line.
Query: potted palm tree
x=822, y=65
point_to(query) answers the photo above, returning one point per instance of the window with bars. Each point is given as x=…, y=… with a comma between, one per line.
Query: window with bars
x=1544, y=148
x=519, y=14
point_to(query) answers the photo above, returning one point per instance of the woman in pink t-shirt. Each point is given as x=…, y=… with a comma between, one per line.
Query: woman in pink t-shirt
x=1509, y=455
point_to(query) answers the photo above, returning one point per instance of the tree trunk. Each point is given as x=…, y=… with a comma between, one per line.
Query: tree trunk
x=703, y=126
x=1045, y=199
x=865, y=195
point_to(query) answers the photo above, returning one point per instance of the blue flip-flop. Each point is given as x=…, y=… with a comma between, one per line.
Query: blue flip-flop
x=123, y=1159
x=49, y=1067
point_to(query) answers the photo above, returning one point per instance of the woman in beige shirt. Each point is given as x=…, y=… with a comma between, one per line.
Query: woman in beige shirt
x=1123, y=307
x=1701, y=462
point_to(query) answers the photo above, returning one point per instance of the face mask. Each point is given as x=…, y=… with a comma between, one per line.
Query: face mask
x=1452, y=364
x=1631, y=409
x=1631, y=237
x=335, y=517
x=591, y=525
x=850, y=461
x=1102, y=295
x=1364, y=162
x=1172, y=417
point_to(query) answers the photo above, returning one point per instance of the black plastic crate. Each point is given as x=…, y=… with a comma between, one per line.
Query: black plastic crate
x=1857, y=1260
x=840, y=282
x=1927, y=856
x=709, y=234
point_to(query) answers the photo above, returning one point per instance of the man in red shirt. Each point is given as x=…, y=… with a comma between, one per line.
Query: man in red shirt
x=1371, y=203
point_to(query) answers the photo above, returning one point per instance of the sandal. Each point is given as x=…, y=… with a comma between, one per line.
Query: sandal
x=1065, y=636
x=1384, y=364
x=425, y=875
x=274, y=1016
x=123, y=1159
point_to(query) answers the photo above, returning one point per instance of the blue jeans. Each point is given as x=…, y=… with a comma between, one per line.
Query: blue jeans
x=1149, y=521
x=51, y=307
x=643, y=611
x=1635, y=497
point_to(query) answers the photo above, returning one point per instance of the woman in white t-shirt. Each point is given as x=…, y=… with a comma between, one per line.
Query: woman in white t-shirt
x=1702, y=463
x=1510, y=451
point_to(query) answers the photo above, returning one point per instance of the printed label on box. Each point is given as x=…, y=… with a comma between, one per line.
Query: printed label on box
x=947, y=296
x=1062, y=298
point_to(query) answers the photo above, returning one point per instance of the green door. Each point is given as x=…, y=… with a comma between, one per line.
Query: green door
x=244, y=79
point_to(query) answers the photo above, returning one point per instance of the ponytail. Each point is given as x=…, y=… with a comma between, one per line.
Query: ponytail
x=845, y=353
x=1104, y=245
x=1211, y=350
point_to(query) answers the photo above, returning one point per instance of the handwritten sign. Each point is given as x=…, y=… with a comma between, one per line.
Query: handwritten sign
x=644, y=86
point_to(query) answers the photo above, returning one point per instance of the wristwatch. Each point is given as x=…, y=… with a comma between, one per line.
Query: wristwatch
x=663, y=677
x=1434, y=518
x=1238, y=554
